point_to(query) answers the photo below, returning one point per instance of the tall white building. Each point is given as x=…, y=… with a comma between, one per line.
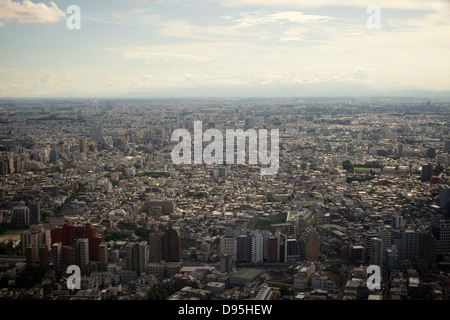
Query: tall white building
x=376, y=251
x=257, y=247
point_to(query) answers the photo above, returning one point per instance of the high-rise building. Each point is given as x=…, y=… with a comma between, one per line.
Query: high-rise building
x=444, y=198
x=37, y=237
x=309, y=244
x=103, y=253
x=431, y=153
x=171, y=245
x=357, y=254
x=35, y=212
x=376, y=251
x=397, y=221
x=243, y=248
x=83, y=255
x=44, y=258
x=156, y=247
x=137, y=256
x=68, y=234
x=440, y=229
x=56, y=256
x=20, y=217
x=447, y=146
x=30, y=254
x=427, y=172
x=292, y=250
x=97, y=132
x=228, y=245
x=273, y=248
x=69, y=254
x=257, y=246
x=426, y=246
x=82, y=143
x=367, y=242
x=392, y=258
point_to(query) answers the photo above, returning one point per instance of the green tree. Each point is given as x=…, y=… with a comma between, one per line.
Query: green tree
x=347, y=165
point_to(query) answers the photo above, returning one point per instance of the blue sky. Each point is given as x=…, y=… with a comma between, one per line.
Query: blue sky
x=222, y=47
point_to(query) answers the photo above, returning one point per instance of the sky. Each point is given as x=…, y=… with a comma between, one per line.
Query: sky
x=127, y=48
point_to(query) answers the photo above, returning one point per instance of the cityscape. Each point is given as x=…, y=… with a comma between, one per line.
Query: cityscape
x=91, y=183
x=224, y=158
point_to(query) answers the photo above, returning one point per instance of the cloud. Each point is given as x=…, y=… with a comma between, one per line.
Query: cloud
x=436, y=5
x=29, y=12
x=261, y=17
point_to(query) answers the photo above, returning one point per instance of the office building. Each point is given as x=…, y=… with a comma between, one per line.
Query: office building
x=83, y=255
x=427, y=172
x=226, y=263
x=171, y=245
x=440, y=229
x=156, y=247
x=257, y=247
x=243, y=248
x=392, y=258
x=104, y=257
x=228, y=245
x=56, y=256
x=20, y=217
x=444, y=198
x=309, y=244
x=376, y=251
x=68, y=234
x=273, y=249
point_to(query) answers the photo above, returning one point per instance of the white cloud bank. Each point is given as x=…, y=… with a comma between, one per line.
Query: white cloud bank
x=29, y=12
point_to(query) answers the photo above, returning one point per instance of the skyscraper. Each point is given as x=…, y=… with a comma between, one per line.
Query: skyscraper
x=103, y=253
x=309, y=244
x=20, y=216
x=444, y=198
x=440, y=229
x=228, y=246
x=427, y=172
x=56, y=256
x=156, y=247
x=272, y=249
x=172, y=245
x=257, y=247
x=376, y=251
x=35, y=212
x=243, y=248
x=97, y=132
x=83, y=255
